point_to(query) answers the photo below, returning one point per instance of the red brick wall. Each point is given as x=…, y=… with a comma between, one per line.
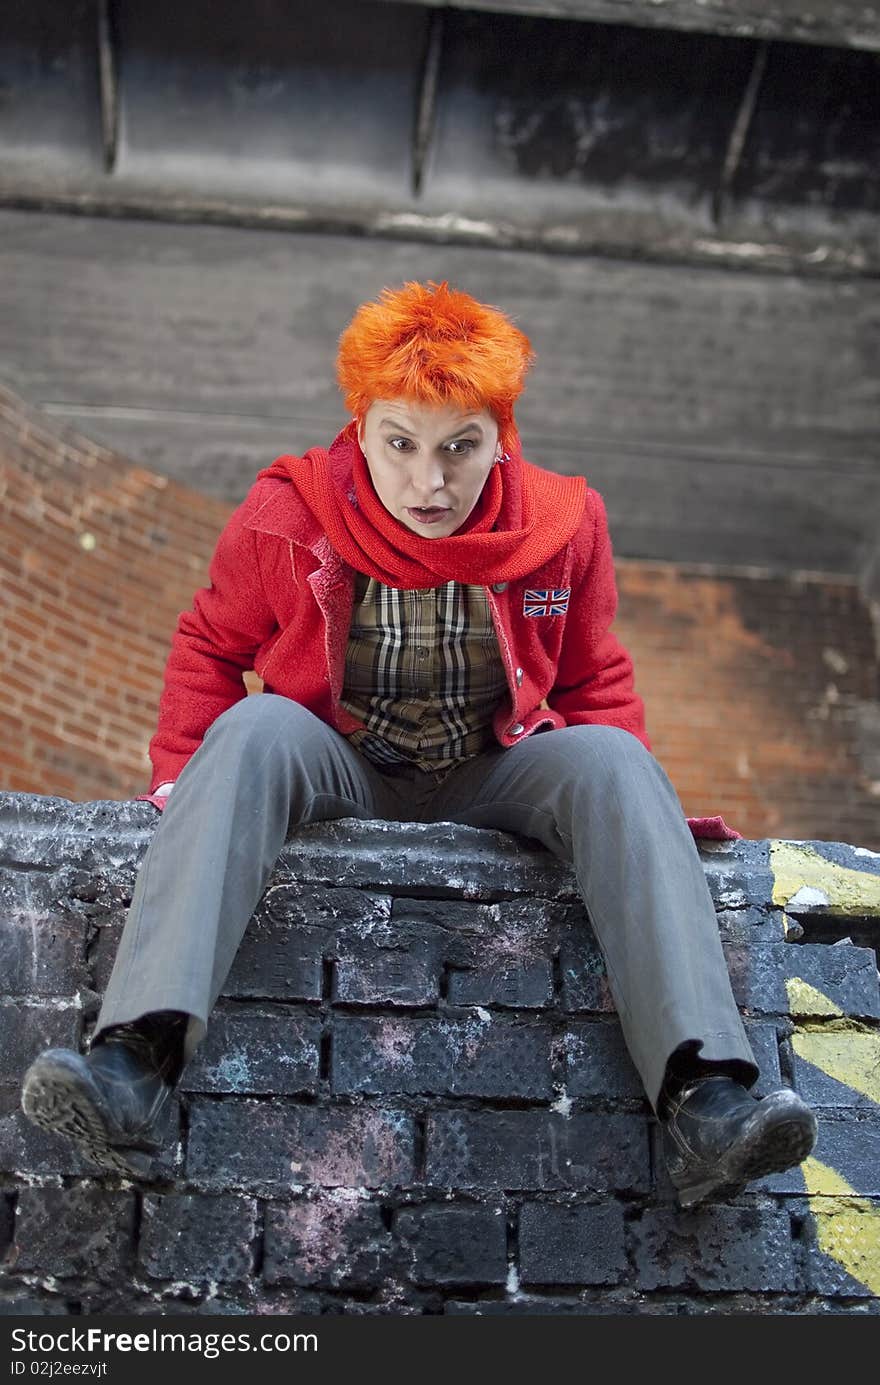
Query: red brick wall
x=96, y=560
x=761, y=696
x=760, y=691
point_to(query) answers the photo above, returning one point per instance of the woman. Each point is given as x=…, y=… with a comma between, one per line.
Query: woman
x=431, y=618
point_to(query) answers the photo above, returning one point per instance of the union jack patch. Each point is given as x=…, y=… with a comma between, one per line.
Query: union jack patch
x=546, y=601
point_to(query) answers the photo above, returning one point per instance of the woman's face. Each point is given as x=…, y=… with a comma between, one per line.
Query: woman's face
x=428, y=463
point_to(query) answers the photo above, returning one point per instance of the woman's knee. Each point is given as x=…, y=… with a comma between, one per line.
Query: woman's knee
x=278, y=743
x=258, y=716
x=607, y=746
x=606, y=759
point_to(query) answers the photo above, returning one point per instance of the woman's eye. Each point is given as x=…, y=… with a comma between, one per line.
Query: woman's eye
x=461, y=445
x=399, y=444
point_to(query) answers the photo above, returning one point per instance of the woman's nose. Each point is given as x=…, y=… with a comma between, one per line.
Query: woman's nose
x=427, y=475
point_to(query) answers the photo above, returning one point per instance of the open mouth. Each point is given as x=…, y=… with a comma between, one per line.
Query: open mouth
x=428, y=514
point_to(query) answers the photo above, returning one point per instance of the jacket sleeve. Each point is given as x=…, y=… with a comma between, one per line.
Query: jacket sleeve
x=594, y=678
x=213, y=644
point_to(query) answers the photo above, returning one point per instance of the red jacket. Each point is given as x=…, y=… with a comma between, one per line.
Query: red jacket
x=280, y=602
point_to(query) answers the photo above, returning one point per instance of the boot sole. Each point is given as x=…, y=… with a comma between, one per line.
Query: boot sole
x=776, y=1143
x=56, y=1097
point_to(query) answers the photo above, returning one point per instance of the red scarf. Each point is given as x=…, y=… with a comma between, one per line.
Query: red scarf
x=523, y=517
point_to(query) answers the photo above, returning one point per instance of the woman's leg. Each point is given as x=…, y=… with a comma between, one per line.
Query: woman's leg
x=265, y=767
x=597, y=799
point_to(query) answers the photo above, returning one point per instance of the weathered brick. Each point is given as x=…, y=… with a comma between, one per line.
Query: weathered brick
x=296, y=920
x=837, y=1067
x=285, y=1304
x=83, y=1230
x=26, y=1029
x=841, y=1236
x=367, y=974
x=454, y=919
x=597, y=1062
x=715, y=1248
x=785, y=978
x=226, y=1303
x=96, y=886
x=437, y=858
x=454, y=1245
x=764, y=1041
x=480, y=1055
x=537, y=1149
x=850, y=1149
x=278, y=961
x=751, y=925
x=197, y=1238
x=102, y=953
x=391, y=1306
x=335, y=1240
x=830, y=1308
x=40, y=953
x=584, y=979
x=247, y=1050
x=519, y=1306
x=7, y=1218
x=604, y=1304
x=520, y=986
x=505, y=957
x=272, y=1144
x=572, y=1245
x=496, y=954
x=738, y=873
x=27, y=1306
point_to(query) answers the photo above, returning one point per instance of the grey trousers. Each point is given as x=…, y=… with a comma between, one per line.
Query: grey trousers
x=591, y=794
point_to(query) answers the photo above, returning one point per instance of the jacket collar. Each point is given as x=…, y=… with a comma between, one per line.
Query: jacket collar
x=285, y=515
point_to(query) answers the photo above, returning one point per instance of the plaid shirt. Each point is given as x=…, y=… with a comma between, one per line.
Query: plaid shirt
x=423, y=672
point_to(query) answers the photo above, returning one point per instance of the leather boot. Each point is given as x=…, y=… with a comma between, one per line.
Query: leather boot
x=110, y=1100
x=717, y=1137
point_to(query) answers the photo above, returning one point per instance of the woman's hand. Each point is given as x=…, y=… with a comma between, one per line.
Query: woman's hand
x=158, y=797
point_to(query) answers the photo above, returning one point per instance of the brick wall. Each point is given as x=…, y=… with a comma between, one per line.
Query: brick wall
x=762, y=696
x=762, y=692
x=414, y=1096
x=97, y=558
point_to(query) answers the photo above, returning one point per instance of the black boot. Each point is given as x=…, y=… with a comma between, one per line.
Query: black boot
x=109, y=1101
x=717, y=1136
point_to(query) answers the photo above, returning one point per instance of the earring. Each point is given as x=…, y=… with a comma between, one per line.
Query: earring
x=501, y=457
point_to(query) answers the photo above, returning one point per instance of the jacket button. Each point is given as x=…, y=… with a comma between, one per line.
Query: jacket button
x=516, y=729
x=519, y=677
x=500, y=586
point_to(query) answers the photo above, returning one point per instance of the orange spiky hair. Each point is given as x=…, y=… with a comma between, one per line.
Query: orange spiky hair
x=433, y=344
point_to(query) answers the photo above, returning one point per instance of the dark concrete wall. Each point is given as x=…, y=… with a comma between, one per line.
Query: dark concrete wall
x=694, y=138
x=727, y=418
x=850, y=23
x=414, y=1096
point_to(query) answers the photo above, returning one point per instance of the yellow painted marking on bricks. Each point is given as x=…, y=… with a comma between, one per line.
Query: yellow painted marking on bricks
x=850, y=1058
x=804, y=999
x=847, y=1226
x=801, y=875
